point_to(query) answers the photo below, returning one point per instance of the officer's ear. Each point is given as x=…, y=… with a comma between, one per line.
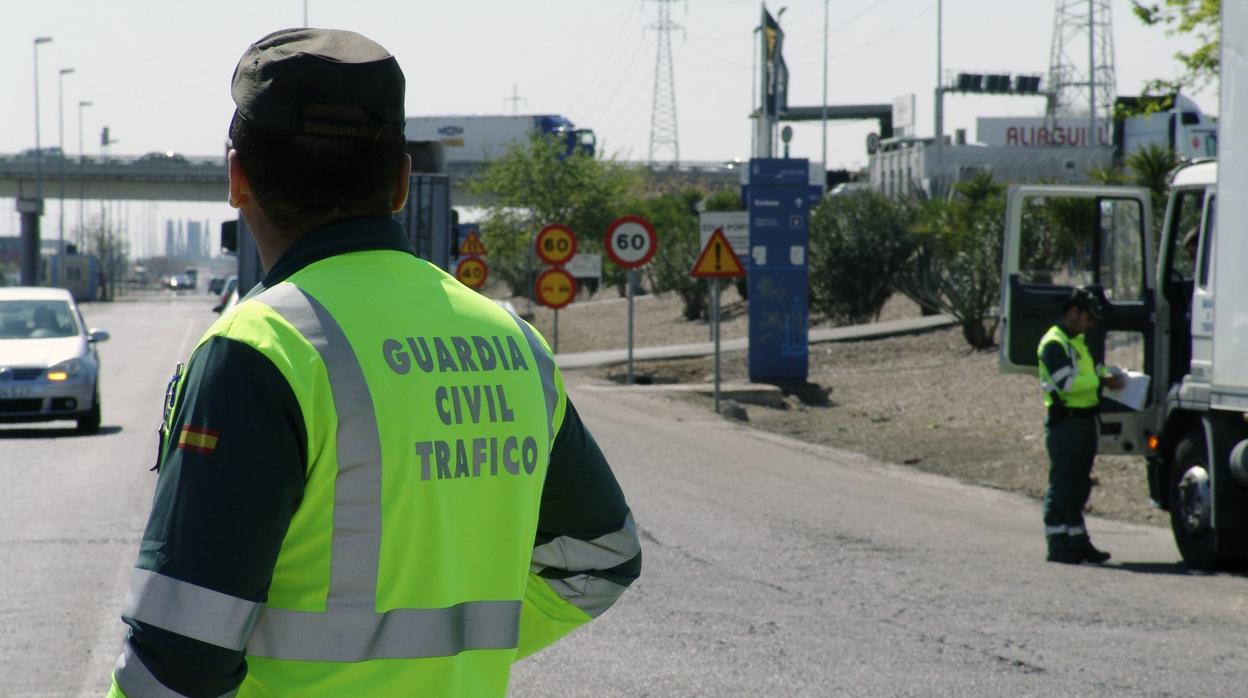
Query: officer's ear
x=240, y=189
x=401, y=186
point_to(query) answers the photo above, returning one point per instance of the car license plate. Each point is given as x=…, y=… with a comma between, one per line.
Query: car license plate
x=10, y=393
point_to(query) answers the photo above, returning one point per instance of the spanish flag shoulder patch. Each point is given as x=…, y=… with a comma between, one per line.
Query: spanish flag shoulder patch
x=198, y=439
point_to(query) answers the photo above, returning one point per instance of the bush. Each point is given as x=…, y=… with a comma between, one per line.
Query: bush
x=533, y=185
x=860, y=245
x=960, y=240
x=675, y=221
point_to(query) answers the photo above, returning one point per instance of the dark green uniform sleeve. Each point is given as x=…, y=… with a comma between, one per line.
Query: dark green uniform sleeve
x=231, y=477
x=1057, y=363
x=587, y=551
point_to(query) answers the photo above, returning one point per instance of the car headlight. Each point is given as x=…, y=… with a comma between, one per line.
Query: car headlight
x=65, y=370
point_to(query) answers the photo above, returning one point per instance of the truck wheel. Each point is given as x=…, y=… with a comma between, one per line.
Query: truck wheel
x=1191, y=504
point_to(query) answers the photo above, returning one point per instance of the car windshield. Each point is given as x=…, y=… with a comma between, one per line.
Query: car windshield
x=36, y=319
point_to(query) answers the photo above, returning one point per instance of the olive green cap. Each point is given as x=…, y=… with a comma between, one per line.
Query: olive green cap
x=325, y=83
x=1087, y=298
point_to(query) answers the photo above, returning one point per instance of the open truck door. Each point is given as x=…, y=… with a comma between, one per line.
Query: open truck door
x=1059, y=237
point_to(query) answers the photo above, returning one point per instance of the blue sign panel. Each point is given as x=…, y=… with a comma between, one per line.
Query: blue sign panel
x=779, y=171
x=779, y=200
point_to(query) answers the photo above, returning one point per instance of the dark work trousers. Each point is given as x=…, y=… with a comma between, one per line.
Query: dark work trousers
x=1071, y=441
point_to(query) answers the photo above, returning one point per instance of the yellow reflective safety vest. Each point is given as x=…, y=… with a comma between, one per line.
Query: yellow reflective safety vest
x=430, y=414
x=1078, y=384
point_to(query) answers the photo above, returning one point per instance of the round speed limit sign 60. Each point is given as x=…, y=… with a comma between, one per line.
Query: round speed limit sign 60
x=631, y=242
x=555, y=245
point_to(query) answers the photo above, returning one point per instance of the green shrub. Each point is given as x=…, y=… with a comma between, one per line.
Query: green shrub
x=961, y=241
x=860, y=245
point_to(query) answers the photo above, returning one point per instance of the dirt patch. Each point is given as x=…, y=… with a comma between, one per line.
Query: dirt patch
x=924, y=401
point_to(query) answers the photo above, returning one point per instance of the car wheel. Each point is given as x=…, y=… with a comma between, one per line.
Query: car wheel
x=90, y=422
x=1191, y=504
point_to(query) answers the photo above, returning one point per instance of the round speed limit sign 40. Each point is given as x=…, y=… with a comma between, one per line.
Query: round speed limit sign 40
x=472, y=272
x=631, y=242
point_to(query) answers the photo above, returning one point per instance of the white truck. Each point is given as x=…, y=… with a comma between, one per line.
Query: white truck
x=473, y=139
x=1178, y=315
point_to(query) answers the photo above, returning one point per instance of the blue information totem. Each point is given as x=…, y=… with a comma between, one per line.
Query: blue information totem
x=779, y=196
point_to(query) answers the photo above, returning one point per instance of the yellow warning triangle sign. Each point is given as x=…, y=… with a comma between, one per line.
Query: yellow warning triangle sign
x=471, y=246
x=717, y=259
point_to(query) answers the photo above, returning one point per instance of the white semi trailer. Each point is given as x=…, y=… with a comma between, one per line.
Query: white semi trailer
x=1178, y=315
x=473, y=139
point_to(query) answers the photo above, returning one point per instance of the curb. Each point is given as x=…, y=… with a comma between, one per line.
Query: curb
x=762, y=394
x=851, y=333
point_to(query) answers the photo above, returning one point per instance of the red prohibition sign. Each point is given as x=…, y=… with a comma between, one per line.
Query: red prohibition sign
x=556, y=288
x=631, y=242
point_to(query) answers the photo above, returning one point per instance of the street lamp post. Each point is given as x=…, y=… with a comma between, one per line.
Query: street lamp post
x=82, y=160
x=38, y=152
x=60, y=142
x=31, y=209
x=824, y=114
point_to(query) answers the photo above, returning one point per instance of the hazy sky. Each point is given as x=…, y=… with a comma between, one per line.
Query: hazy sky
x=158, y=71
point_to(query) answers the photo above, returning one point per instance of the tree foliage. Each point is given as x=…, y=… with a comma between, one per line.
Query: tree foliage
x=533, y=185
x=675, y=220
x=860, y=245
x=1150, y=167
x=1199, y=19
x=961, y=241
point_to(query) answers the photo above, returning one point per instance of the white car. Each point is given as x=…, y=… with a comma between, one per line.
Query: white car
x=49, y=368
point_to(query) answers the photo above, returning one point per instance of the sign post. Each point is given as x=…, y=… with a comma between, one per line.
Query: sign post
x=631, y=242
x=472, y=271
x=717, y=261
x=556, y=287
x=736, y=227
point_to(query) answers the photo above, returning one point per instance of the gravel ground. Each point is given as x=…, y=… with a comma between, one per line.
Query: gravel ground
x=925, y=401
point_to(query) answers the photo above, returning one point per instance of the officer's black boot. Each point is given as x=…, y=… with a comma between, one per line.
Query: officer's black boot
x=1061, y=550
x=1082, y=545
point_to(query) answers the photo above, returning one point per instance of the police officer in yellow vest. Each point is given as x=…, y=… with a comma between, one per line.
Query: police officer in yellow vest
x=372, y=482
x=1072, y=383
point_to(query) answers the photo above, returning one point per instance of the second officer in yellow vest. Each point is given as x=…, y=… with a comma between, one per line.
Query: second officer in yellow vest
x=372, y=482
x=1072, y=383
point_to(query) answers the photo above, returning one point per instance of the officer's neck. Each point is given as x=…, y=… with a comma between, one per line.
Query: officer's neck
x=272, y=241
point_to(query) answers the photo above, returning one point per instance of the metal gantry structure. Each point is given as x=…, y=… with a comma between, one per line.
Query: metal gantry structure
x=1081, y=61
x=664, y=138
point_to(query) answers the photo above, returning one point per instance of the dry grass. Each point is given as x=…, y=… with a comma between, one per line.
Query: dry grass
x=925, y=401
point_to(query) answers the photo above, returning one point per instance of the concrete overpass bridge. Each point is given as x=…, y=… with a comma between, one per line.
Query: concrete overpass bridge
x=178, y=178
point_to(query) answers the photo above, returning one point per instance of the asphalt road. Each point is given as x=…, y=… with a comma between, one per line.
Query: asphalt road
x=771, y=567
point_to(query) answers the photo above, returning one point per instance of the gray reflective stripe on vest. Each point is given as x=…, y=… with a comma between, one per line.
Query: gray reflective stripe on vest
x=593, y=595
x=399, y=634
x=134, y=679
x=546, y=369
x=601, y=553
x=357, y=488
x=190, y=610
